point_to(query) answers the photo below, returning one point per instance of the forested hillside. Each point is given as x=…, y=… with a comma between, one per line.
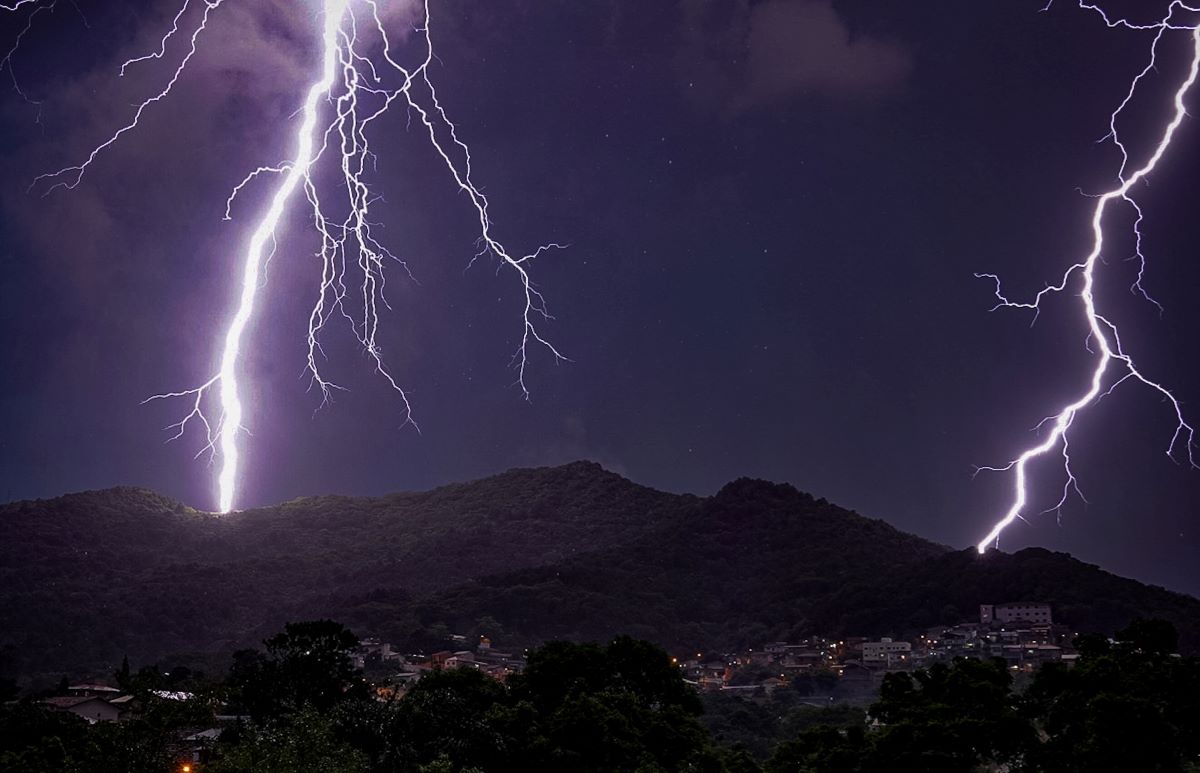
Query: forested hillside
x=566, y=552
x=87, y=578
x=762, y=561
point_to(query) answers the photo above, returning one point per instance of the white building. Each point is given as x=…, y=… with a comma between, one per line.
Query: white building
x=885, y=652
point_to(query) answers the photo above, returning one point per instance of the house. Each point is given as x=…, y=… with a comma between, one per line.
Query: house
x=460, y=659
x=438, y=659
x=372, y=650
x=801, y=656
x=198, y=747
x=714, y=673
x=1034, y=655
x=90, y=707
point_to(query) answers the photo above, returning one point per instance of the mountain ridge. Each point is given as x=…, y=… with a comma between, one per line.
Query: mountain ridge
x=529, y=554
x=738, y=569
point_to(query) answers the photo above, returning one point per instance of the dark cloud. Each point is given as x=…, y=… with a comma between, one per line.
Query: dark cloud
x=800, y=46
x=743, y=55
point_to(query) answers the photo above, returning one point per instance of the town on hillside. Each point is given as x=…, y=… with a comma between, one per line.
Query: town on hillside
x=850, y=669
x=828, y=671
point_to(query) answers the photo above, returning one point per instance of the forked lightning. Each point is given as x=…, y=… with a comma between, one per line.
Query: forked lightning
x=1113, y=365
x=360, y=79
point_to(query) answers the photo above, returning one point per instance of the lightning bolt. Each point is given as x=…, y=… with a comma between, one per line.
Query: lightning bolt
x=1113, y=365
x=360, y=79
x=6, y=62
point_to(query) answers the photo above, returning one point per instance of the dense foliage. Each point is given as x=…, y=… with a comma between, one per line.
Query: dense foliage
x=34, y=739
x=759, y=723
x=579, y=707
x=572, y=552
x=1127, y=705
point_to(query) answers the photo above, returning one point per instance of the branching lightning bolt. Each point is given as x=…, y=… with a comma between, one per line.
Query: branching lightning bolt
x=352, y=91
x=1113, y=365
x=36, y=8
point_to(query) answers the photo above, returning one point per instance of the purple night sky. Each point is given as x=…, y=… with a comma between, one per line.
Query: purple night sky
x=774, y=208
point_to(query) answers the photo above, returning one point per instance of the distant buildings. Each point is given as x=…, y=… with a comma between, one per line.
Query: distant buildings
x=823, y=671
x=1022, y=633
x=392, y=673
x=851, y=669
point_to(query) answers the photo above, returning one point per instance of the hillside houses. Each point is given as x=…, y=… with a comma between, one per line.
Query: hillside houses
x=392, y=673
x=1023, y=634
